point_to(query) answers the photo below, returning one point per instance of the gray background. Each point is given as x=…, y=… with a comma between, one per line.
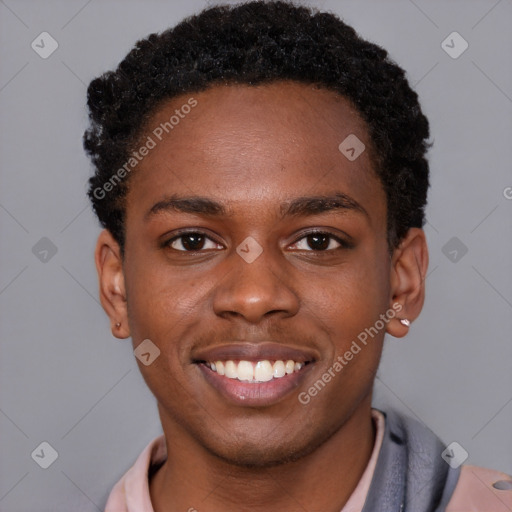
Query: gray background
x=65, y=380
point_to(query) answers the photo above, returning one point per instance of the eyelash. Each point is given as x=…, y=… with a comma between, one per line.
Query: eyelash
x=343, y=243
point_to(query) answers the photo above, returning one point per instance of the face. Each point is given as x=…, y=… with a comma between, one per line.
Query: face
x=253, y=241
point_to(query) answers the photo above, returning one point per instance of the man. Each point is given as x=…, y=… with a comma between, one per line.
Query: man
x=260, y=173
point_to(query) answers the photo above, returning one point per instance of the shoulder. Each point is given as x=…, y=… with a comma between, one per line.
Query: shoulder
x=481, y=490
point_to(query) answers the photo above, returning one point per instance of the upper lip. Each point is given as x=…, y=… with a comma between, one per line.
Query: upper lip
x=244, y=351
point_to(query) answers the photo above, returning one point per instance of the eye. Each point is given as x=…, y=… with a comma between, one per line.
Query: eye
x=321, y=241
x=191, y=242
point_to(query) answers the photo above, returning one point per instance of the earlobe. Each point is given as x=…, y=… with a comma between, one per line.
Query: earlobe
x=109, y=266
x=407, y=282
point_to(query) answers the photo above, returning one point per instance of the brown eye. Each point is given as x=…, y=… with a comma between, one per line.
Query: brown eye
x=191, y=242
x=320, y=241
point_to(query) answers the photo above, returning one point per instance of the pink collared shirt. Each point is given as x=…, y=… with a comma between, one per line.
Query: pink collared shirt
x=131, y=493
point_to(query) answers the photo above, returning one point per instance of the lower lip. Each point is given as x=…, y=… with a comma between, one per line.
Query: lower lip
x=259, y=394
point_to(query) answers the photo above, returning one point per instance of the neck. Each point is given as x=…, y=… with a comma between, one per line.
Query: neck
x=322, y=480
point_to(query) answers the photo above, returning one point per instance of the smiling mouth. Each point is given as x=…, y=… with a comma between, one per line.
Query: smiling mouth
x=255, y=374
x=255, y=371
x=257, y=383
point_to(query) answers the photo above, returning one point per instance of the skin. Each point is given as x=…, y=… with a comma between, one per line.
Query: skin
x=253, y=149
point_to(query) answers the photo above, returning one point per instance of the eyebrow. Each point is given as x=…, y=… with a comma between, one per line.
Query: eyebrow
x=305, y=206
x=297, y=207
x=193, y=204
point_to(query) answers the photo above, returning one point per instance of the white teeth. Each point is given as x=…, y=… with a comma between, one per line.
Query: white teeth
x=230, y=370
x=259, y=371
x=219, y=367
x=245, y=371
x=263, y=371
x=279, y=369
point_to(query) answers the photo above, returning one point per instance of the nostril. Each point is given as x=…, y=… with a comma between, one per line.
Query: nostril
x=503, y=485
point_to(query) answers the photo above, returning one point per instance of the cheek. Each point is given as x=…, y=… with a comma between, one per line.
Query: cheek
x=353, y=298
x=159, y=297
x=163, y=310
x=349, y=305
x=168, y=307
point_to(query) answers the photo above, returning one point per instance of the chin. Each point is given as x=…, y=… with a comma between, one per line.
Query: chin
x=262, y=454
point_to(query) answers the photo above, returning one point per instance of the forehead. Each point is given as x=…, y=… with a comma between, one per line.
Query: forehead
x=247, y=143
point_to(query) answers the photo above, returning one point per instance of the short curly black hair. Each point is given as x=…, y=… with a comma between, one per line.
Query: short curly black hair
x=254, y=43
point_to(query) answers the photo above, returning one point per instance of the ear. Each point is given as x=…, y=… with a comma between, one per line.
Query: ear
x=407, y=282
x=109, y=265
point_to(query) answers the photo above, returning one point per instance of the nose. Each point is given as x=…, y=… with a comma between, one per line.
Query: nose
x=255, y=289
